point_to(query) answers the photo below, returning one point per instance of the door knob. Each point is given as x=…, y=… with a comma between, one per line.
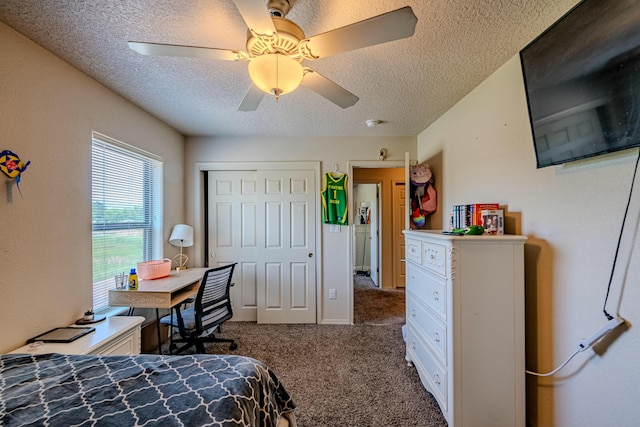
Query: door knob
x=310, y=255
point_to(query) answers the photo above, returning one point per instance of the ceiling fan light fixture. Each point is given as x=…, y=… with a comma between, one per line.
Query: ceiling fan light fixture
x=275, y=73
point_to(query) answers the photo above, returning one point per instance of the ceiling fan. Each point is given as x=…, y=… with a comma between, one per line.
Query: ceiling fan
x=276, y=47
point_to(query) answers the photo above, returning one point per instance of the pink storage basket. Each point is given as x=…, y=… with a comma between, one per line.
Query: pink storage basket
x=154, y=269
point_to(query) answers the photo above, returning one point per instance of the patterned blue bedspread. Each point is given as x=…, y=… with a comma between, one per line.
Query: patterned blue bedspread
x=142, y=390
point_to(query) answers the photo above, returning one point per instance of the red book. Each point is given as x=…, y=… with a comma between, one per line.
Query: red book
x=477, y=209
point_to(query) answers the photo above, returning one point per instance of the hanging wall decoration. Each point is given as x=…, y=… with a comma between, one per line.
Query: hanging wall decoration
x=334, y=198
x=12, y=166
x=423, y=194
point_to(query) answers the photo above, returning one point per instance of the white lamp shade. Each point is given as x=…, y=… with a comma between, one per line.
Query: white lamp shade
x=182, y=236
x=275, y=73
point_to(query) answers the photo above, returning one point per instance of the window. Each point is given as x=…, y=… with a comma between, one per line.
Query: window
x=126, y=212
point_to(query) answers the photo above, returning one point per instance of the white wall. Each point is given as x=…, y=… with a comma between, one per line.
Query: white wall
x=336, y=270
x=572, y=216
x=48, y=111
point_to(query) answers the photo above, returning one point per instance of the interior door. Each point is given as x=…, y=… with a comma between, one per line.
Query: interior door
x=398, y=219
x=375, y=208
x=233, y=235
x=265, y=221
x=286, y=284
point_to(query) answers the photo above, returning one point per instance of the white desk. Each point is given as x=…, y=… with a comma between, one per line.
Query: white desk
x=166, y=292
x=116, y=335
x=159, y=293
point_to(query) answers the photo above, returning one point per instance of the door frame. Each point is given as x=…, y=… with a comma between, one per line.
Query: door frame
x=374, y=247
x=198, y=217
x=375, y=244
x=369, y=164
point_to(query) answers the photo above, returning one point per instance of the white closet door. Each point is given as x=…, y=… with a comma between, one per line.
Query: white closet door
x=287, y=281
x=233, y=235
x=265, y=221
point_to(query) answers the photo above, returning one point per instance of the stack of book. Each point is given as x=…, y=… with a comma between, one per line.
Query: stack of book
x=467, y=215
x=489, y=215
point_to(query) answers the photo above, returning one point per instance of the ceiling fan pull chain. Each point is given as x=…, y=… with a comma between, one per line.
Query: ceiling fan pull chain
x=277, y=89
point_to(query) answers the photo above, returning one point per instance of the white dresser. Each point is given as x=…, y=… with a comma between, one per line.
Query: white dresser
x=465, y=325
x=116, y=335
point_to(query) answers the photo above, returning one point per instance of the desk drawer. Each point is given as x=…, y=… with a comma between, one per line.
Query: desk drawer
x=431, y=289
x=434, y=332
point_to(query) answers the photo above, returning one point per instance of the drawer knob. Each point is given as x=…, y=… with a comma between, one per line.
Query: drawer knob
x=436, y=295
x=436, y=337
x=436, y=379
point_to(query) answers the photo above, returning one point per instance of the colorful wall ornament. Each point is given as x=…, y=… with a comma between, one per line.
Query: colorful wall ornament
x=12, y=166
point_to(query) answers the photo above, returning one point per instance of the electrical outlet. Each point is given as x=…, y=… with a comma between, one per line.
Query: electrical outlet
x=332, y=294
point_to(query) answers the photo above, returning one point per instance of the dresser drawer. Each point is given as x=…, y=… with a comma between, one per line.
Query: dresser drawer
x=431, y=289
x=430, y=371
x=434, y=257
x=413, y=250
x=433, y=331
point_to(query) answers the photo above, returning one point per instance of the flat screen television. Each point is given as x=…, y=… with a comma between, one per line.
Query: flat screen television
x=582, y=81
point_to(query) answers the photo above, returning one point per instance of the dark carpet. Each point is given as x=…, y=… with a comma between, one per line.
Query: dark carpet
x=375, y=306
x=343, y=375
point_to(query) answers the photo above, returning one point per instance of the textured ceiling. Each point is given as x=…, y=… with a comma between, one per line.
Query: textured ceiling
x=407, y=84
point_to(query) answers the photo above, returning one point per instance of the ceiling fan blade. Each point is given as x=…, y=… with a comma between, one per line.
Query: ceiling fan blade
x=256, y=16
x=387, y=27
x=251, y=99
x=159, y=49
x=330, y=90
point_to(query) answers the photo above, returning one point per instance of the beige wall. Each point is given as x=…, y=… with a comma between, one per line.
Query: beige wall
x=480, y=150
x=336, y=270
x=47, y=113
x=572, y=216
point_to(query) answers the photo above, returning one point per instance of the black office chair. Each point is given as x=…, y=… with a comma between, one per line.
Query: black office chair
x=212, y=306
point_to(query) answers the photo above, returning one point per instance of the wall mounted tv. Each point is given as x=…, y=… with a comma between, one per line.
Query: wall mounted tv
x=582, y=82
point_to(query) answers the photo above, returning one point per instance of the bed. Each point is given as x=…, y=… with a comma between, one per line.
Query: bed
x=141, y=390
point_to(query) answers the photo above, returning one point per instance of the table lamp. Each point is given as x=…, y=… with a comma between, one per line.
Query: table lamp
x=182, y=235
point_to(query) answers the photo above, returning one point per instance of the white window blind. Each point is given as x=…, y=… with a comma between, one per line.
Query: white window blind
x=126, y=201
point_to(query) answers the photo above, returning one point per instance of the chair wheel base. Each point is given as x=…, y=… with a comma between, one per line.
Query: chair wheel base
x=233, y=346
